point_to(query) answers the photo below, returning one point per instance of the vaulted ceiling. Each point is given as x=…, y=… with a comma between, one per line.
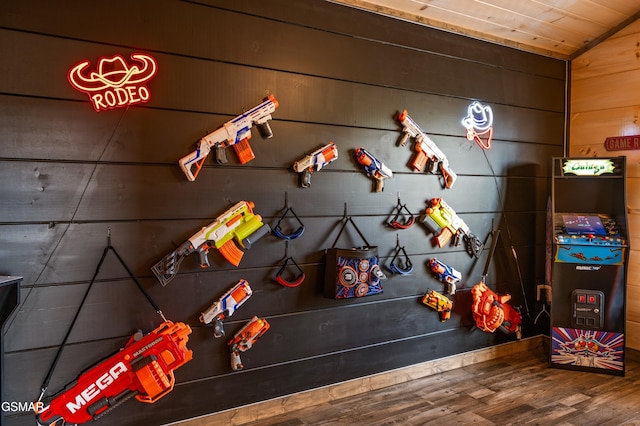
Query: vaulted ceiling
x=557, y=28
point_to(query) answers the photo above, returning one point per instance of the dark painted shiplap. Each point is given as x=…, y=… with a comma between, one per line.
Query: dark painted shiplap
x=70, y=174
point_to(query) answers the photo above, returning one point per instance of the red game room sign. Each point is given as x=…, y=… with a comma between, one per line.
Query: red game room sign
x=621, y=143
x=115, y=83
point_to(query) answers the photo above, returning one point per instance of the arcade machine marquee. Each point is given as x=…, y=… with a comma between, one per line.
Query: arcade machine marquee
x=590, y=252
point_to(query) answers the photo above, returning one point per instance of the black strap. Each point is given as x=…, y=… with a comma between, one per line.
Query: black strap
x=495, y=234
x=344, y=224
x=47, y=379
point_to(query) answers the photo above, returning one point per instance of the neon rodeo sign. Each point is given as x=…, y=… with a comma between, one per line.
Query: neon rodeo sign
x=115, y=83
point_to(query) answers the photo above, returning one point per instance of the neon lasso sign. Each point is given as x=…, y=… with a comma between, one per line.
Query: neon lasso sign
x=115, y=83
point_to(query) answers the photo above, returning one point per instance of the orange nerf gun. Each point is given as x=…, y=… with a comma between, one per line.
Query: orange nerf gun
x=245, y=338
x=143, y=369
x=238, y=223
x=442, y=304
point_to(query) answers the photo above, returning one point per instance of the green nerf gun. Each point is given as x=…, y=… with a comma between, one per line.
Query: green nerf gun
x=238, y=223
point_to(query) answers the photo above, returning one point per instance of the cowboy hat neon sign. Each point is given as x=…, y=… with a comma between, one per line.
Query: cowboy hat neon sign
x=479, y=123
x=115, y=83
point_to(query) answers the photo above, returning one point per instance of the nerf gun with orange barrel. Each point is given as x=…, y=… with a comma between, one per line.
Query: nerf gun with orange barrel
x=245, y=339
x=445, y=273
x=427, y=153
x=442, y=304
x=142, y=368
x=236, y=133
x=238, y=223
x=226, y=306
x=314, y=162
x=374, y=167
x=444, y=221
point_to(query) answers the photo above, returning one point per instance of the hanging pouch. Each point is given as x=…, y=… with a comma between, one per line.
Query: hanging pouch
x=352, y=272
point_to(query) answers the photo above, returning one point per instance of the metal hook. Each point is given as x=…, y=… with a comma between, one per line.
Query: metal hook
x=299, y=279
x=295, y=234
x=401, y=210
x=396, y=264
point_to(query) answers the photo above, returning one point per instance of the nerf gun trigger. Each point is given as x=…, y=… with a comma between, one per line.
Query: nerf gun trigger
x=299, y=279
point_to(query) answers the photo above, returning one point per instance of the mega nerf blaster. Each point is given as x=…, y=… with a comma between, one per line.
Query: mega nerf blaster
x=491, y=311
x=142, y=368
x=245, y=338
x=446, y=274
x=226, y=306
x=374, y=167
x=314, y=162
x=444, y=221
x=238, y=223
x=442, y=304
x=236, y=133
x=427, y=153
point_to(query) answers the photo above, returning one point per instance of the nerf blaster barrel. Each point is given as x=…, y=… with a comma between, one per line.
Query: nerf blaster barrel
x=314, y=162
x=427, y=152
x=374, y=167
x=226, y=306
x=236, y=133
x=143, y=369
x=245, y=338
x=444, y=221
x=239, y=223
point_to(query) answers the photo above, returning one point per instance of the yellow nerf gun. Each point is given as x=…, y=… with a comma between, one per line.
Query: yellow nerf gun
x=238, y=223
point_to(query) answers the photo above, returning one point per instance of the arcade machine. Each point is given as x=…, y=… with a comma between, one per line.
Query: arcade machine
x=589, y=271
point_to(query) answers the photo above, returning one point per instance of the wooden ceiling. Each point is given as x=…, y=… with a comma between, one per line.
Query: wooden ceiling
x=557, y=28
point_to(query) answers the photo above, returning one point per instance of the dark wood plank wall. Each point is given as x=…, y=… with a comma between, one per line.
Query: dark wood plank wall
x=69, y=174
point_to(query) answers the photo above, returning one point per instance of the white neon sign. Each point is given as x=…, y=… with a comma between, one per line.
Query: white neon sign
x=479, y=124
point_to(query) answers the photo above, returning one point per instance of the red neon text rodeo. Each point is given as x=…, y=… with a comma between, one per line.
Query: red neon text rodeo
x=114, y=83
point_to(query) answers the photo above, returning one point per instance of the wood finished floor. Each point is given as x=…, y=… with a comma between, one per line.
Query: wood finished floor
x=517, y=390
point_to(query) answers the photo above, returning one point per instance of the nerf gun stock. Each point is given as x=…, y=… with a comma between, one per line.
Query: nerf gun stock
x=236, y=133
x=314, y=162
x=238, y=223
x=245, y=338
x=374, y=167
x=226, y=306
x=142, y=368
x=427, y=153
x=441, y=218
